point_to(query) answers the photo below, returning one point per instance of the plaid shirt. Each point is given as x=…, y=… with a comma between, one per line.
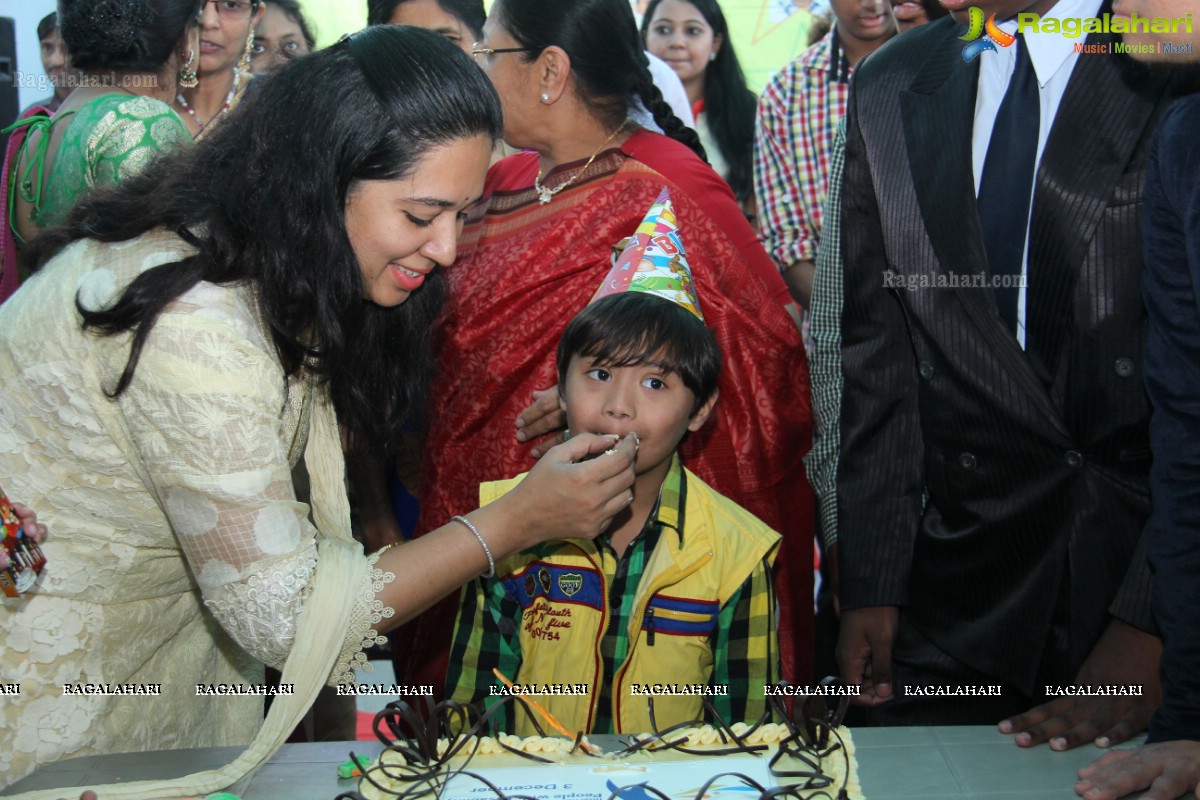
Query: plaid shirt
x=744, y=652
x=793, y=134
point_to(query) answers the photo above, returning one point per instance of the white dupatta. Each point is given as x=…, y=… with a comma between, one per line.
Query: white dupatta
x=320, y=632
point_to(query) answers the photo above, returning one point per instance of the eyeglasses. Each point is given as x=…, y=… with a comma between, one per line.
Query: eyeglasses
x=478, y=50
x=233, y=9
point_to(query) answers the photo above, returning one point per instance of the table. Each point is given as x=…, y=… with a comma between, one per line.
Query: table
x=963, y=763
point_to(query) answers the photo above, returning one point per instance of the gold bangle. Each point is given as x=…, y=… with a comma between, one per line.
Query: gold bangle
x=387, y=547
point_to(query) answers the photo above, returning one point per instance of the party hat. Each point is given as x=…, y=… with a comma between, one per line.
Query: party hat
x=654, y=261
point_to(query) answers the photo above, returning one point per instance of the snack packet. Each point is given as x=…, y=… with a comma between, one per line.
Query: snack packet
x=25, y=556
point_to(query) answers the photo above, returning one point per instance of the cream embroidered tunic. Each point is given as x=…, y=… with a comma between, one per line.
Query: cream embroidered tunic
x=178, y=554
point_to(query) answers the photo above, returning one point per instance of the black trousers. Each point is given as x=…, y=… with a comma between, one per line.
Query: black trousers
x=918, y=662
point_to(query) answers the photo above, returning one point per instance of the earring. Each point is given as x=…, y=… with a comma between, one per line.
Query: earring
x=545, y=97
x=244, y=65
x=712, y=56
x=187, y=74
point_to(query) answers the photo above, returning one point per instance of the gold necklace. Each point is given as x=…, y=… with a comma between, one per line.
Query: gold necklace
x=545, y=195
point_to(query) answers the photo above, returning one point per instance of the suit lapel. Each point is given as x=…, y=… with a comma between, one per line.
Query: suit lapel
x=938, y=115
x=1097, y=128
x=938, y=112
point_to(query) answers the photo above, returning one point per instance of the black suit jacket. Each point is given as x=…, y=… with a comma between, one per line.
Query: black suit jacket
x=1171, y=287
x=1035, y=463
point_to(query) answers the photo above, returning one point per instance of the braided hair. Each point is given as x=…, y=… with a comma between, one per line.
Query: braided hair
x=664, y=116
x=607, y=59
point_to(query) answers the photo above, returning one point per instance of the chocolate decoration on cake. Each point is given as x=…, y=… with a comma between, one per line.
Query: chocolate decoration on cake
x=810, y=737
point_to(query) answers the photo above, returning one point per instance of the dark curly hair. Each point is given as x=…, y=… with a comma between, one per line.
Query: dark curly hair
x=729, y=105
x=607, y=59
x=262, y=200
x=124, y=35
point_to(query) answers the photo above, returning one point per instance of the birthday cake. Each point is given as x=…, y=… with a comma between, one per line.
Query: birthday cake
x=742, y=761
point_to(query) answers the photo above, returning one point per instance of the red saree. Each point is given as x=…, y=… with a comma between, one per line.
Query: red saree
x=525, y=269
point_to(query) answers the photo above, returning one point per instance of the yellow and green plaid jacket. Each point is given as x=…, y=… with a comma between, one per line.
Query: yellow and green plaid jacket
x=688, y=604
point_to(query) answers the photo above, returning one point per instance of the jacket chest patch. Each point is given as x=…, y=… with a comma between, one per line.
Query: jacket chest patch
x=559, y=584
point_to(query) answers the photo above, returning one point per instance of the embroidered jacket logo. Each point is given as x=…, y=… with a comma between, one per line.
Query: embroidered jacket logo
x=570, y=583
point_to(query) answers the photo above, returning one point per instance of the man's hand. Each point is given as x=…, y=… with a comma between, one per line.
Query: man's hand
x=544, y=415
x=864, y=652
x=1169, y=769
x=1124, y=656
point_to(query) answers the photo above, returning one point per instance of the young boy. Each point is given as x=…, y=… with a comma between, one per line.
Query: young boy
x=678, y=590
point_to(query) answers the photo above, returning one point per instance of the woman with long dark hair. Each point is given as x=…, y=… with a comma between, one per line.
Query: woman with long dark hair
x=693, y=38
x=543, y=242
x=195, y=332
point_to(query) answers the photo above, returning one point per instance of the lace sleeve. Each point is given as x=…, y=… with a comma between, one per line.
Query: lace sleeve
x=204, y=413
x=369, y=611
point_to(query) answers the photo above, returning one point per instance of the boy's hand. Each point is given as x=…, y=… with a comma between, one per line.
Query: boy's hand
x=542, y=416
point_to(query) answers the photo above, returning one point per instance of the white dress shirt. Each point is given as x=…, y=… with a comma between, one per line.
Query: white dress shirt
x=1053, y=56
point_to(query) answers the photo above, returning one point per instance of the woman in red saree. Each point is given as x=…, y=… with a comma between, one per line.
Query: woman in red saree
x=536, y=250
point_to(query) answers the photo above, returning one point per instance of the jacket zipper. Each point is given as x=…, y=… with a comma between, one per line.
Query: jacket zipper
x=619, y=678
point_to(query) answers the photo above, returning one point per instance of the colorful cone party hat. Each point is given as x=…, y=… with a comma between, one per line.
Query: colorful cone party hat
x=654, y=261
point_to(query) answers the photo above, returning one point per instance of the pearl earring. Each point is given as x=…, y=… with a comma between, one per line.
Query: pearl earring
x=712, y=56
x=545, y=97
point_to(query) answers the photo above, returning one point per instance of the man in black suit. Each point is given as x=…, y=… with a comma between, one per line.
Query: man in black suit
x=993, y=471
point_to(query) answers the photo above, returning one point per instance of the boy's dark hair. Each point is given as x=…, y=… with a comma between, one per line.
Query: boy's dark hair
x=634, y=328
